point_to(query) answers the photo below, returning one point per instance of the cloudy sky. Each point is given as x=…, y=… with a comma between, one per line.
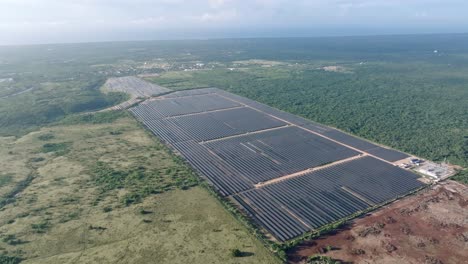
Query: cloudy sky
x=51, y=21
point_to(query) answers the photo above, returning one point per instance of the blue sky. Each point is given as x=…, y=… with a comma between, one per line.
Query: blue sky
x=50, y=21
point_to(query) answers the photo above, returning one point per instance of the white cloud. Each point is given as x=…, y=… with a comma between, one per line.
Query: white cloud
x=149, y=21
x=421, y=14
x=217, y=3
x=220, y=16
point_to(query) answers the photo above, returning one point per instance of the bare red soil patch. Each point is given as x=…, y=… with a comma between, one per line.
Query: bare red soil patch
x=429, y=227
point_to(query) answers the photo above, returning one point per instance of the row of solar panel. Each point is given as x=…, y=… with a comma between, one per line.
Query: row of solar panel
x=291, y=118
x=210, y=99
x=275, y=153
x=176, y=106
x=257, y=156
x=383, y=153
x=225, y=178
x=209, y=126
x=363, y=145
x=326, y=195
x=234, y=164
x=249, y=154
x=191, y=92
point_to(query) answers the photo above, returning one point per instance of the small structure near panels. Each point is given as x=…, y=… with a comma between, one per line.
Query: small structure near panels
x=435, y=170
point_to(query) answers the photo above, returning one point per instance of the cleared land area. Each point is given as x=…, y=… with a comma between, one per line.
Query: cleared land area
x=429, y=227
x=264, y=159
x=105, y=191
x=134, y=86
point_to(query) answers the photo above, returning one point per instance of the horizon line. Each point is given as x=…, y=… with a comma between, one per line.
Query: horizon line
x=231, y=38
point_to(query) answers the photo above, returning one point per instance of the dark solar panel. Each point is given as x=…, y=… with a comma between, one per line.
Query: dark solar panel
x=329, y=194
x=388, y=154
x=188, y=105
x=268, y=155
x=225, y=123
x=234, y=143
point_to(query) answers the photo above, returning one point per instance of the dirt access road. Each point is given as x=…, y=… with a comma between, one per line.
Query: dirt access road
x=429, y=227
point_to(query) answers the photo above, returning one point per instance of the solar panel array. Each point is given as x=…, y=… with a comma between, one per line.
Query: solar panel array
x=280, y=168
x=275, y=153
x=191, y=92
x=208, y=125
x=383, y=153
x=220, y=124
x=226, y=179
x=189, y=105
x=326, y=195
x=134, y=86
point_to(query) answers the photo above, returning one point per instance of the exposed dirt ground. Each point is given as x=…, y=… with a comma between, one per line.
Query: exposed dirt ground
x=430, y=227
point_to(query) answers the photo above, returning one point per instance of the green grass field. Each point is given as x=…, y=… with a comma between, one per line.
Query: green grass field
x=70, y=212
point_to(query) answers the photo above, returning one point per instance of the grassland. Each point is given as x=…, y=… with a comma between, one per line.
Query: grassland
x=80, y=204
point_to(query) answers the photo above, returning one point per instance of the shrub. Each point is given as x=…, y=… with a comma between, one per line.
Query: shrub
x=5, y=179
x=318, y=259
x=46, y=137
x=461, y=176
x=4, y=259
x=131, y=198
x=144, y=212
x=140, y=181
x=60, y=149
x=236, y=253
x=37, y=159
x=12, y=240
x=41, y=227
x=95, y=118
x=114, y=133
